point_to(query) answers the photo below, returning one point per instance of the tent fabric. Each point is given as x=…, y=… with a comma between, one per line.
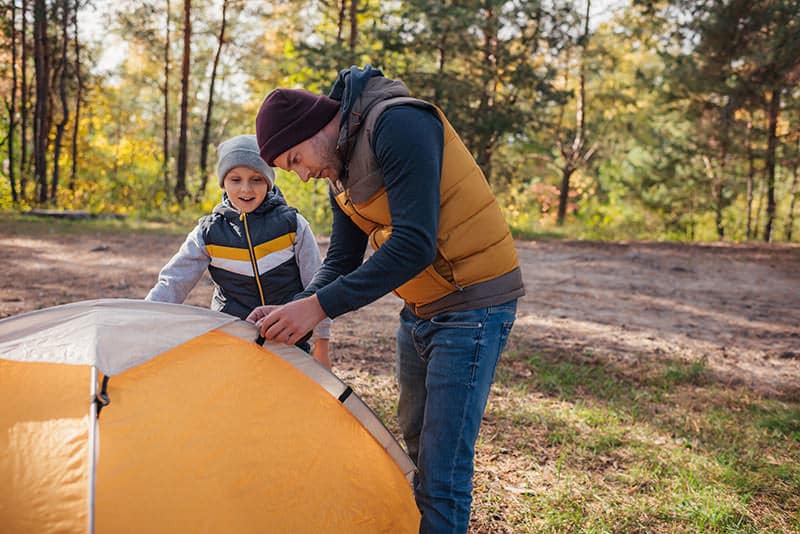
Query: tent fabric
x=213, y=433
x=44, y=450
x=337, y=389
x=111, y=334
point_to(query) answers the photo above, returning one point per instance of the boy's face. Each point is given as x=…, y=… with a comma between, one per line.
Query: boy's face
x=246, y=188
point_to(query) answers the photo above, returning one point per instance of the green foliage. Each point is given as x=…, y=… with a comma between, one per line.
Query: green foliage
x=675, y=105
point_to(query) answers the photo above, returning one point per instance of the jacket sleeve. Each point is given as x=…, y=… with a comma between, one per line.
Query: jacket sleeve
x=408, y=144
x=183, y=271
x=309, y=260
x=345, y=251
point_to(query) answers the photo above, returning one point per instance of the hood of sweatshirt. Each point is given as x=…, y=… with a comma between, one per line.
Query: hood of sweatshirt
x=359, y=90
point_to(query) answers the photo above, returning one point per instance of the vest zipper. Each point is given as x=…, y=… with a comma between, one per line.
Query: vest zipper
x=252, y=252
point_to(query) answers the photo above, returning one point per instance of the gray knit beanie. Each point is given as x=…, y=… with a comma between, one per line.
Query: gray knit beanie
x=242, y=151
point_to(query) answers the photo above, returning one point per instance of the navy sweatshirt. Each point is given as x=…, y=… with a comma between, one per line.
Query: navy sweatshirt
x=408, y=145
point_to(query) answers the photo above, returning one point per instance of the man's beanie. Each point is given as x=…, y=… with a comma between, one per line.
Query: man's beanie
x=290, y=116
x=241, y=151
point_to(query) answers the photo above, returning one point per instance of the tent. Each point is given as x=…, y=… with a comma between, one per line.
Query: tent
x=132, y=416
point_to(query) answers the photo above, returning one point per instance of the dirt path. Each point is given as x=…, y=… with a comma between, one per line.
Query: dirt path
x=734, y=307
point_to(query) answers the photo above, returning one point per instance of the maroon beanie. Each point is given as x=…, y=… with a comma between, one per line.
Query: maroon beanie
x=288, y=117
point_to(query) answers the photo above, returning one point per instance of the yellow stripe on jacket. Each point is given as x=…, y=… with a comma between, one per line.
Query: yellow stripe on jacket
x=268, y=255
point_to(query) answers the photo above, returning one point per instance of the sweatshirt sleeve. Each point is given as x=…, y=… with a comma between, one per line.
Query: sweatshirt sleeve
x=183, y=271
x=309, y=260
x=408, y=144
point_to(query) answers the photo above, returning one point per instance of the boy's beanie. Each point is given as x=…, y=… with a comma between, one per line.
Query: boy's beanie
x=288, y=117
x=241, y=151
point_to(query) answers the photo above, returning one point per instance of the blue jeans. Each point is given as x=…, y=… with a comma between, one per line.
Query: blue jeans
x=445, y=368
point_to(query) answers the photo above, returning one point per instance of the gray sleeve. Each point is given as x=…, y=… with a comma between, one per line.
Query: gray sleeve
x=309, y=260
x=183, y=271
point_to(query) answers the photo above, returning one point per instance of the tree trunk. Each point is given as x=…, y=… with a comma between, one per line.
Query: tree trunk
x=442, y=63
x=340, y=20
x=772, y=143
x=62, y=92
x=574, y=154
x=714, y=178
x=760, y=200
x=563, y=195
x=751, y=170
x=210, y=108
x=180, y=182
x=12, y=110
x=719, y=182
x=41, y=59
x=165, y=148
x=24, y=167
x=78, y=97
x=117, y=140
x=353, y=30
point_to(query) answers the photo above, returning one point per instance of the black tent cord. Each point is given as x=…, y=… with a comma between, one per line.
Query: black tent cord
x=102, y=399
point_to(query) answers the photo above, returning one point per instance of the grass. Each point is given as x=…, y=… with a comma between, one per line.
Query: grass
x=16, y=223
x=578, y=443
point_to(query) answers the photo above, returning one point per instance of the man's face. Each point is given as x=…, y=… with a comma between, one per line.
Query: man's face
x=246, y=188
x=315, y=157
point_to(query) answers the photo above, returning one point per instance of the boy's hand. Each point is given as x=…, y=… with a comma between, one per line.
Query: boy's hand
x=259, y=313
x=290, y=322
x=320, y=352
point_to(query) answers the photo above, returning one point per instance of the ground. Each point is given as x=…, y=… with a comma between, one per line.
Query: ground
x=692, y=328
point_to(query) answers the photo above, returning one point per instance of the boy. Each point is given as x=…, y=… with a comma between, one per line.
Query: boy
x=257, y=249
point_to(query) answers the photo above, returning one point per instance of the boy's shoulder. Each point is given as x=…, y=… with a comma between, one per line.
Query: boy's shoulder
x=210, y=219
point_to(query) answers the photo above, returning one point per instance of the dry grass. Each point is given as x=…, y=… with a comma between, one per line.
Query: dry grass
x=576, y=443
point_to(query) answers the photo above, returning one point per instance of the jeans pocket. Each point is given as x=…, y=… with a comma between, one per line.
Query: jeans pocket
x=505, y=331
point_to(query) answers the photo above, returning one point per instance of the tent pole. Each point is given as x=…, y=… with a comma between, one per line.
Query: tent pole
x=92, y=450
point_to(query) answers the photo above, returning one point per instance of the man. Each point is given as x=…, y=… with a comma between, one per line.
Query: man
x=401, y=179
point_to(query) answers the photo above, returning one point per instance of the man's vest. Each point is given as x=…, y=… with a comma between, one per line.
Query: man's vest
x=476, y=263
x=260, y=242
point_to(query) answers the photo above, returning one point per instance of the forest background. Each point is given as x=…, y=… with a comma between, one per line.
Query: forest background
x=646, y=387
x=673, y=119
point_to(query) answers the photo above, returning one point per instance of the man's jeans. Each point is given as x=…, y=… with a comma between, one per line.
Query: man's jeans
x=445, y=368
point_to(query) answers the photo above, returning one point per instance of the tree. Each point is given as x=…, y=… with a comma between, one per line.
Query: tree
x=78, y=96
x=480, y=61
x=62, y=91
x=165, y=90
x=40, y=116
x=751, y=49
x=578, y=152
x=24, y=167
x=210, y=106
x=12, y=106
x=180, y=181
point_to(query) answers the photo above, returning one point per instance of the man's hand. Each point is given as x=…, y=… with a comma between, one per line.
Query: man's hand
x=259, y=313
x=290, y=322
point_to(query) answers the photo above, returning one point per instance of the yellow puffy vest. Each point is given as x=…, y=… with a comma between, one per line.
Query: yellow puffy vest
x=474, y=241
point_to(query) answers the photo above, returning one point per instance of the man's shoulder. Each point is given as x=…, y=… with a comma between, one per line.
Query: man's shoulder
x=409, y=111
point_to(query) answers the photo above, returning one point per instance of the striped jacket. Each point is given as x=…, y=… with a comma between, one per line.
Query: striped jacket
x=273, y=240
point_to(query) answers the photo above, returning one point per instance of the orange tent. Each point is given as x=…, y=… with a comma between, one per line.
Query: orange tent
x=206, y=431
